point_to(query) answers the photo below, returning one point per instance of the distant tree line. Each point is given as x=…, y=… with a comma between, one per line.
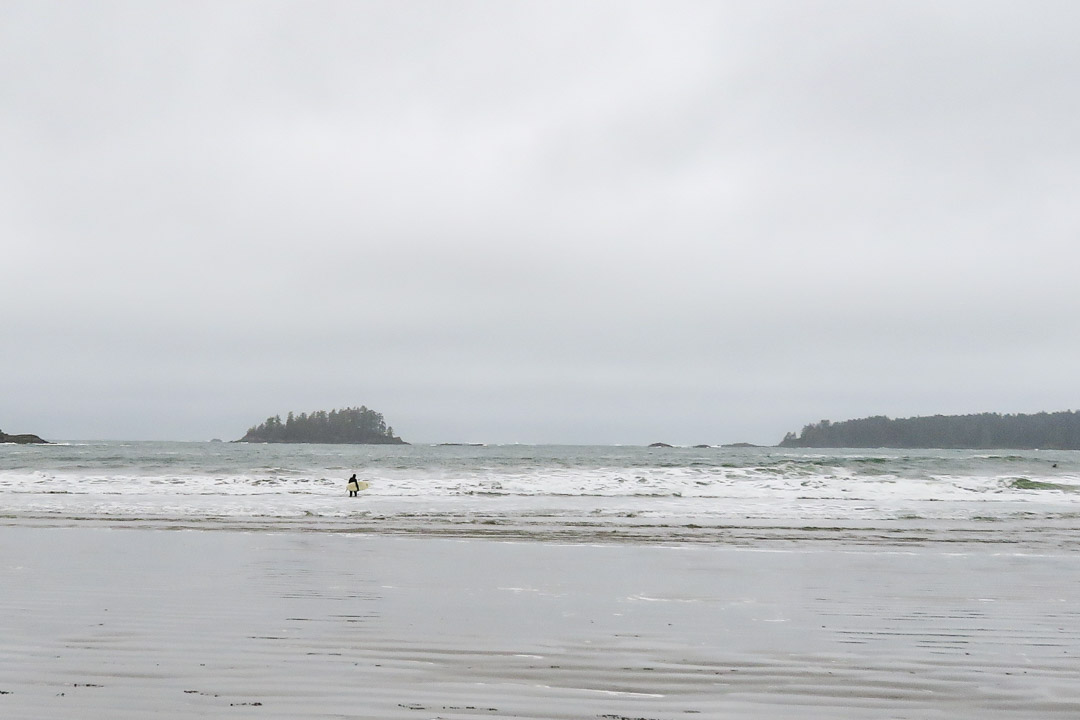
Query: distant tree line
x=1050, y=431
x=350, y=425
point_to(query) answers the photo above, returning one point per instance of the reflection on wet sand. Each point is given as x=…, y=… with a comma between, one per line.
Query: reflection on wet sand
x=119, y=624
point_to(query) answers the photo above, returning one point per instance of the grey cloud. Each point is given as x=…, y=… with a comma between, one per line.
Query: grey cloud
x=535, y=221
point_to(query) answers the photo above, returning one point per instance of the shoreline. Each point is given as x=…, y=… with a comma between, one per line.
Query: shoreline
x=1053, y=533
x=283, y=624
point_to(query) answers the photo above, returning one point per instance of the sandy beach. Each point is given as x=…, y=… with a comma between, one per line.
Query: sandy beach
x=114, y=623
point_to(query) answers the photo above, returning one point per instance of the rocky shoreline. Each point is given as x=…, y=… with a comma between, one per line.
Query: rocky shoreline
x=23, y=439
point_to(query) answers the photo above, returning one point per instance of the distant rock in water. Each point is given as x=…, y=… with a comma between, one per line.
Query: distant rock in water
x=24, y=439
x=660, y=445
x=986, y=431
x=740, y=445
x=355, y=426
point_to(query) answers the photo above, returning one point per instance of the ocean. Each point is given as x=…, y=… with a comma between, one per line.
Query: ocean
x=574, y=493
x=189, y=580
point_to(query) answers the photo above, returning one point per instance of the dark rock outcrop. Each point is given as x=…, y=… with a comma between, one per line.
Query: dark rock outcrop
x=24, y=439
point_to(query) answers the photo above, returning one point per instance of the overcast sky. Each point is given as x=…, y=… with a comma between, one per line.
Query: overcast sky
x=583, y=222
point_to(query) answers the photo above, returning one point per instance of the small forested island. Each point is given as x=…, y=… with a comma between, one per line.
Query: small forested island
x=348, y=426
x=23, y=439
x=985, y=431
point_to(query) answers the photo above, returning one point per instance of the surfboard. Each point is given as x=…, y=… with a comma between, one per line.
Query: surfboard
x=362, y=485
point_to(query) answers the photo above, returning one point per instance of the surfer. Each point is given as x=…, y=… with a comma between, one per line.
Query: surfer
x=353, y=486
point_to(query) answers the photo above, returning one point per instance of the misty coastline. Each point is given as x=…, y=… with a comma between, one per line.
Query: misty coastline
x=984, y=431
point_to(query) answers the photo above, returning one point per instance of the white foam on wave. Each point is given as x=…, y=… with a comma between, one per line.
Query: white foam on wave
x=599, y=487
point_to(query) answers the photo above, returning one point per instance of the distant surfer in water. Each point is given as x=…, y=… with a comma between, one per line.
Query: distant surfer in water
x=353, y=486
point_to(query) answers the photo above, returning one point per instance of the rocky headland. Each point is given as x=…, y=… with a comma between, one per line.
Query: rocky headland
x=23, y=439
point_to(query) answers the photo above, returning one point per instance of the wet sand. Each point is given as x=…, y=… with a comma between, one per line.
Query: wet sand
x=114, y=623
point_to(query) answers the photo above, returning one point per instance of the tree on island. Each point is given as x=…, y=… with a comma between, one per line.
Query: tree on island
x=985, y=431
x=350, y=425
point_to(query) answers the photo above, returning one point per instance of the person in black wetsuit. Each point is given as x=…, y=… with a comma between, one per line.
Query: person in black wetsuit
x=353, y=486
